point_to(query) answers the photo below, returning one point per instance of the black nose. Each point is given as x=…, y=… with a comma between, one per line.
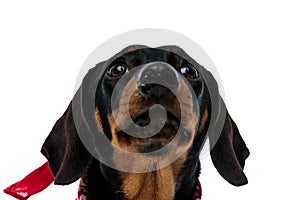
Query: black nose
x=157, y=79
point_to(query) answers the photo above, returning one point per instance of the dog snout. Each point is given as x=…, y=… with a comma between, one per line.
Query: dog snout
x=157, y=79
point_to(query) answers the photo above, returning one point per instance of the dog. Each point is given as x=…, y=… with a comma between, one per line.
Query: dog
x=69, y=159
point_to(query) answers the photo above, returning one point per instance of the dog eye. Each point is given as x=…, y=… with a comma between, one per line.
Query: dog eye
x=117, y=70
x=189, y=71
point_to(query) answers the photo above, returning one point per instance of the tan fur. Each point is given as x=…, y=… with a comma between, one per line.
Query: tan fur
x=156, y=185
x=203, y=121
x=159, y=184
x=132, y=48
x=98, y=120
x=175, y=49
x=114, y=128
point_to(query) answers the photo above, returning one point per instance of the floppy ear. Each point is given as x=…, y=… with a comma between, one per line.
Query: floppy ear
x=229, y=153
x=229, y=150
x=67, y=156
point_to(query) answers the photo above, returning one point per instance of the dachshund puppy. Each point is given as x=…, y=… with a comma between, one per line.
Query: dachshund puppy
x=114, y=104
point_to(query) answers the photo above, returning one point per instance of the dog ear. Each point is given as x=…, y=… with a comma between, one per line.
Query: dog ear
x=229, y=150
x=65, y=146
x=67, y=156
x=229, y=153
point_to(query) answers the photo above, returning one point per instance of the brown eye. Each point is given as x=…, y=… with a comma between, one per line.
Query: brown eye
x=189, y=71
x=117, y=70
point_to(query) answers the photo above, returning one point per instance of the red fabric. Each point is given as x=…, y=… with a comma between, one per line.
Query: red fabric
x=83, y=193
x=33, y=183
x=198, y=191
x=42, y=177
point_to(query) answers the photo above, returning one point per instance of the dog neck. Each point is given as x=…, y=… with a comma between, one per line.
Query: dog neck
x=166, y=183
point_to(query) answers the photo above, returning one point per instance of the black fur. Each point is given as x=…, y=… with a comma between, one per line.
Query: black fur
x=69, y=160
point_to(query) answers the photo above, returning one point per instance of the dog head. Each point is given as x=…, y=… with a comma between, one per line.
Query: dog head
x=121, y=93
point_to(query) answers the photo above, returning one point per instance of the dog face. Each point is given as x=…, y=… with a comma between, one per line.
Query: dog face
x=166, y=76
x=172, y=70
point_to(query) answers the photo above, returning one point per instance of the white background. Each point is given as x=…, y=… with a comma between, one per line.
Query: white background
x=255, y=46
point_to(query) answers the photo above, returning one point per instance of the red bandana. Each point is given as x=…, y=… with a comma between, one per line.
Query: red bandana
x=33, y=183
x=42, y=177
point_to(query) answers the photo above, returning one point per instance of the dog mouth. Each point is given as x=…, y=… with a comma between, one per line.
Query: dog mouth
x=155, y=142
